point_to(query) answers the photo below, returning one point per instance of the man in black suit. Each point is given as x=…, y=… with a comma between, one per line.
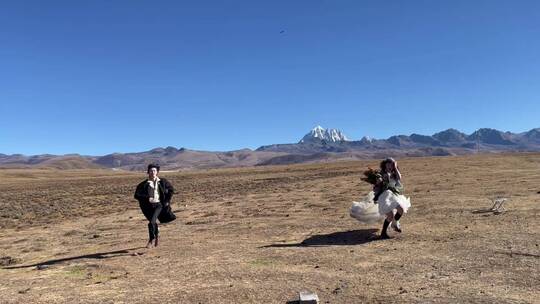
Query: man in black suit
x=154, y=196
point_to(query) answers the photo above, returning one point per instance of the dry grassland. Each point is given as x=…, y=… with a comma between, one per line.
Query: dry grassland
x=260, y=235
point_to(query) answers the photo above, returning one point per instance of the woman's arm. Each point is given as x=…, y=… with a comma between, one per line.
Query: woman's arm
x=396, y=169
x=398, y=186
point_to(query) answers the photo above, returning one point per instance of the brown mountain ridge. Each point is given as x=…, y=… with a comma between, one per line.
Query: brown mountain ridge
x=314, y=147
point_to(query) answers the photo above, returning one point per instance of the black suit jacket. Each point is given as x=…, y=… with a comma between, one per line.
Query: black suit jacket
x=165, y=189
x=166, y=192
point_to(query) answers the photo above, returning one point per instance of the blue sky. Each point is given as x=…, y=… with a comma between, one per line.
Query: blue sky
x=96, y=77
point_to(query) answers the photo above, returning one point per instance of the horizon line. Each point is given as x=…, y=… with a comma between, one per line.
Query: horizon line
x=244, y=148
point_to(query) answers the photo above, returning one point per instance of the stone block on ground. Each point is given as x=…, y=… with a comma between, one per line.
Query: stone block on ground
x=307, y=297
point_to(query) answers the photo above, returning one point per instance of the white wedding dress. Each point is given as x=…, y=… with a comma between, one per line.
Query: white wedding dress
x=367, y=211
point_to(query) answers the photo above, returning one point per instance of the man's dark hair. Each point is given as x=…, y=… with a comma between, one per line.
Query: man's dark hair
x=150, y=166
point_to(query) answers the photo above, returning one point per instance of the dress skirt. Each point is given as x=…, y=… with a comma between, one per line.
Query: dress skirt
x=367, y=211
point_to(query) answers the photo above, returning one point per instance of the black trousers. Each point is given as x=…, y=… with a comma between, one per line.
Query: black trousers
x=151, y=211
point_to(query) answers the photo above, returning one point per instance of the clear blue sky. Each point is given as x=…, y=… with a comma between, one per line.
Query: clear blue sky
x=96, y=77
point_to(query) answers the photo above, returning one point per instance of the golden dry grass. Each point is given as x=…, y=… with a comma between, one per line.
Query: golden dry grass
x=260, y=235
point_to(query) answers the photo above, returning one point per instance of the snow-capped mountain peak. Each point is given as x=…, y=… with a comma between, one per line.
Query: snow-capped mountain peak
x=319, y=133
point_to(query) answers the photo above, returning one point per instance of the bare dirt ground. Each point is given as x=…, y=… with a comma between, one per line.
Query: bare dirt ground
x=261, y=235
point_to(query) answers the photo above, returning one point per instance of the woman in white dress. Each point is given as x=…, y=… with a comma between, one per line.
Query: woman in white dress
x=386, y=200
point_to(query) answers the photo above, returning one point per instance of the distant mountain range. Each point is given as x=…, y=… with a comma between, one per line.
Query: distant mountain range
x=318, y=145
x=449, y=141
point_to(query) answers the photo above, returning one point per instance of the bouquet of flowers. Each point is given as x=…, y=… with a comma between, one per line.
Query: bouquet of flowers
x=372, y=176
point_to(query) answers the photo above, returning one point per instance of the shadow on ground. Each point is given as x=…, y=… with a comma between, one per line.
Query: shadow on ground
x=512, y=253
x=489, y=212
x=480, y=211
x=352, y=237
x=99, y=256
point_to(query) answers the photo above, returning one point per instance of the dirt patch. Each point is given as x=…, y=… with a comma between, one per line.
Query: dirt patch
x=261, y=235
x=7, y=261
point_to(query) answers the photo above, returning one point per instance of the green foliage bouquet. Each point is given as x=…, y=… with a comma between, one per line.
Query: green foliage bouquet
x=372, y=176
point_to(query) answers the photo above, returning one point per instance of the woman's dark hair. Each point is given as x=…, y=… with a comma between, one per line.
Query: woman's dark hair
x=150, y=166
x=384, y=162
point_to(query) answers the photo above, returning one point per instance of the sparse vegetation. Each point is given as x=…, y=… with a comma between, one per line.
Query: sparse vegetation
x=247, y=235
